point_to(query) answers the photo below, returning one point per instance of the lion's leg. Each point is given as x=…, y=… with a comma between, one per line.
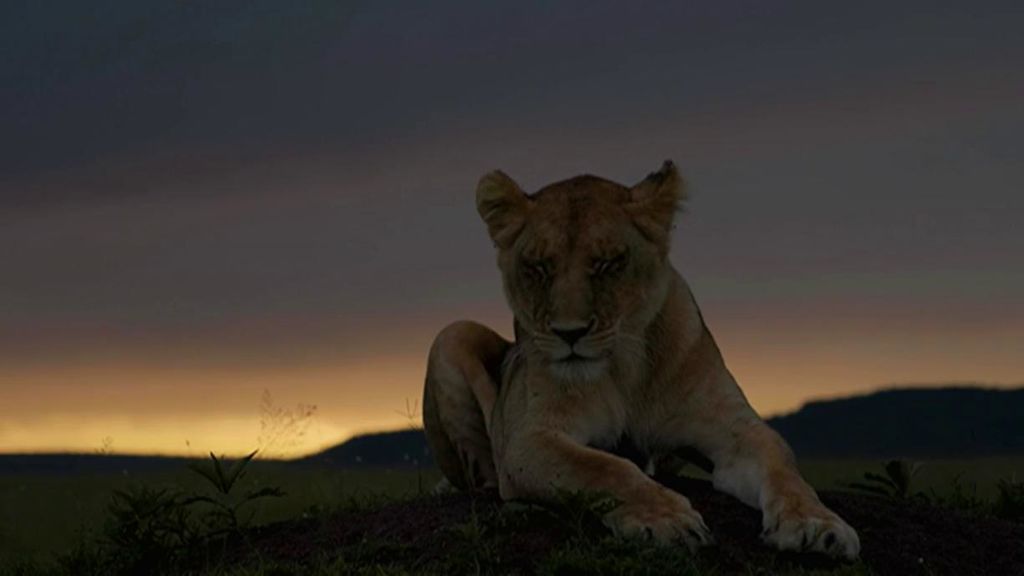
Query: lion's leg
x=458, y=397
x=754, y=464
x=543, y=465
x=760, y=469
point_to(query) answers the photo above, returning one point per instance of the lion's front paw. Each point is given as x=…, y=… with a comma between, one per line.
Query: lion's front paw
x=810, y=527
x=666, y=519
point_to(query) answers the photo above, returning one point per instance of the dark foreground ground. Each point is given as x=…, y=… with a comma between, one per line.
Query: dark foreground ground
x=460, y=534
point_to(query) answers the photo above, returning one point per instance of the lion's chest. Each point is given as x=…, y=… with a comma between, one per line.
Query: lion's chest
x=598, y=412
x=594, y=413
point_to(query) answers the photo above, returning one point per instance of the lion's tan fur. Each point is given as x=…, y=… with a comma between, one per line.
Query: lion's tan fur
x=589, y=256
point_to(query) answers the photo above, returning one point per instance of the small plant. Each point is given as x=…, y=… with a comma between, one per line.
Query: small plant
x=962, y=496
x=149, y=528
x=581, y=512
x=1009, y=502
x=153, y=530
x=283, y=430
x=106, y=446
x=414, y=423
x=475, y=534
x=225, y=502
x=895, y=483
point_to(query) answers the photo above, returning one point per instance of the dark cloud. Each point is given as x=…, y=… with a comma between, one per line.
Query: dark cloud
x=262, y=181
x=102, y=87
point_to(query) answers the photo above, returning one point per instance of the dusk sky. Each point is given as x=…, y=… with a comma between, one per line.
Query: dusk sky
x=200, y=201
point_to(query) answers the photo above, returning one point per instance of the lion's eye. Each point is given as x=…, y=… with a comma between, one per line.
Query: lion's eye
x=607, y=266
x=538, y=270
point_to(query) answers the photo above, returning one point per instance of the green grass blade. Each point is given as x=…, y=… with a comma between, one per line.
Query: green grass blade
x=237, y=469
x=206, y=471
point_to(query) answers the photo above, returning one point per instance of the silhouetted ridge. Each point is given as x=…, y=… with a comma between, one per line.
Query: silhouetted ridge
x=913, y=422
x=404, y=449
x=74, y=464
x=946, y=422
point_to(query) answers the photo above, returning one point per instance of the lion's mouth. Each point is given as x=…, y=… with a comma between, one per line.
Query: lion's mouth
x=576, y=358
x=579, y=367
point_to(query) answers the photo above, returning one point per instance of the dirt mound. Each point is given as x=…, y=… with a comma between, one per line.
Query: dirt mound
x=458, y=533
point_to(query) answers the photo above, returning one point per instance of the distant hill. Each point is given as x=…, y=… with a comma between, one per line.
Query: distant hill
x=912, y=422
x=404, y=449
x=948, y=422
x=69, y=464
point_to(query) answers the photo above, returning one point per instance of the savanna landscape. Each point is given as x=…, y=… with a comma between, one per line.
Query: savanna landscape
x=236, y=237
x=332, y=513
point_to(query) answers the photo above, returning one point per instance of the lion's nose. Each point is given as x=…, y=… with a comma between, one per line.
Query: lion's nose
x=571, y=333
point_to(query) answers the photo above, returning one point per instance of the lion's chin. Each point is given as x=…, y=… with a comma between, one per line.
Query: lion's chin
x=576, y=368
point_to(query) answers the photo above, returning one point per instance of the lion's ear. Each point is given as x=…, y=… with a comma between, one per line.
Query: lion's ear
x=654, y=202
x=503, y=205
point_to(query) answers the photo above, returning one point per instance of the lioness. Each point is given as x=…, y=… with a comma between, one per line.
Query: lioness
x=609, y=344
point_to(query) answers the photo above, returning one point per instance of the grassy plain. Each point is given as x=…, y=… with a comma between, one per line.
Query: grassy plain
x=45, y=515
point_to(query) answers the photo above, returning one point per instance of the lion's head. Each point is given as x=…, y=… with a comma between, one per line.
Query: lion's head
x=584, y=261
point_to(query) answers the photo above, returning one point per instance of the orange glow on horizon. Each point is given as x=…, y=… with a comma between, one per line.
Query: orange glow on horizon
x=155, y=410
x=161, y=405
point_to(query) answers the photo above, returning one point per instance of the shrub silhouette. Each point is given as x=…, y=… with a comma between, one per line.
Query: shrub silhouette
x=1009, y=502
x=895, y=483
x=156, y=530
